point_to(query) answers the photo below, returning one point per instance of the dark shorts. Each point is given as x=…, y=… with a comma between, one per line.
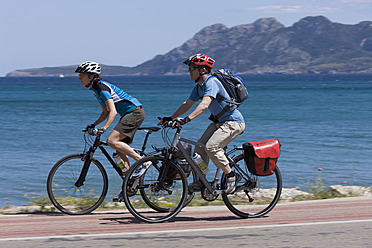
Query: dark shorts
x=129, y=124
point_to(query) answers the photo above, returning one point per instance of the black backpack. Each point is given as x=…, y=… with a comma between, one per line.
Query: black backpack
x=234, y=86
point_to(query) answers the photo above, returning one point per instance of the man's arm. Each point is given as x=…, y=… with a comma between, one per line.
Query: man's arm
x=203, y=105
x=185, y=106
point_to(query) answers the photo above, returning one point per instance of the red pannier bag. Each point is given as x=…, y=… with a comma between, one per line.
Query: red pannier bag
x=261, y=156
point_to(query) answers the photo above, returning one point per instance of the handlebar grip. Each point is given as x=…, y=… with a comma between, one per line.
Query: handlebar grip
x=165, y=123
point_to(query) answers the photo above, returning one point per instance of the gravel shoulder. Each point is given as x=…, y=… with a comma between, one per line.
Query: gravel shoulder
x=289, y=195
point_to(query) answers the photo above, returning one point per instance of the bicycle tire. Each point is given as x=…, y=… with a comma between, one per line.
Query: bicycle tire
x=68, y=198
x=147, y=202
x=265, y=192
x=161, y=209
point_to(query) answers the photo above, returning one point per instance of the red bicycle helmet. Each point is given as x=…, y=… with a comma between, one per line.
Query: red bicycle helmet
x=200, y=60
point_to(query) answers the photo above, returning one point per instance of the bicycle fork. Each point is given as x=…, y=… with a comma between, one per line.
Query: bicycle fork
x=87, y=158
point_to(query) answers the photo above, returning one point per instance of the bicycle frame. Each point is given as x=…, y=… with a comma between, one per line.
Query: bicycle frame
x=176, y=143
x=212, y=189
x=100, y=144
x=88, y=159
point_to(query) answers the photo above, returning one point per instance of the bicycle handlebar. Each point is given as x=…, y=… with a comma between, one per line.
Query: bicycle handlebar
x=172, y=124
x=93, y=131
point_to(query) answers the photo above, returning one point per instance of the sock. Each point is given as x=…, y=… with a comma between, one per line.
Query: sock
x=231, y=174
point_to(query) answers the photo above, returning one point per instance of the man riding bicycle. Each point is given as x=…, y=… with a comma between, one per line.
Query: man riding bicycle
x=223, y=130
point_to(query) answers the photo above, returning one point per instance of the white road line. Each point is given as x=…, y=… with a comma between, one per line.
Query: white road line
x=204, y=230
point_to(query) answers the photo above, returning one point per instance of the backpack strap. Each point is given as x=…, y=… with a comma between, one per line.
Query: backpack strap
x=230, y=104
x=201, y=86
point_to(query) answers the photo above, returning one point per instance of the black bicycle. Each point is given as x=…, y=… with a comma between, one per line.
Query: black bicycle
x=156, y=188
x=78, y=183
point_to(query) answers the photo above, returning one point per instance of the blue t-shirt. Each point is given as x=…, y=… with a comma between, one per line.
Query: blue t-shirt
x=122, y=100
x=212, y=87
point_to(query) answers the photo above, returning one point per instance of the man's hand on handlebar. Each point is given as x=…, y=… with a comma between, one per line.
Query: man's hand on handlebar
x=163, y=120
x=169, y=122
x=181, y=121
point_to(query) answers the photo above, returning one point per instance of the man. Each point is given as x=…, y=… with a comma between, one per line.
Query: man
x=223, y=129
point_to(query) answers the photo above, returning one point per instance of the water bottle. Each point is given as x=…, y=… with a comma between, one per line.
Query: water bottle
x=199, y=161
x=188, y=147
x=119, y=162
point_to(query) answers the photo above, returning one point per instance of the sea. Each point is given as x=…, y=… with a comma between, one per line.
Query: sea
x=323, y=122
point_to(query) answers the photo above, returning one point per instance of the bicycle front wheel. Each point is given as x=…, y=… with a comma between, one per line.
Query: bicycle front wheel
x=253, y=197
x=69, y=198
x=151, y=196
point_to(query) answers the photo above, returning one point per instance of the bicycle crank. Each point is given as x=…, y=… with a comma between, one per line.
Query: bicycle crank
x=249, y=197
x=206, y=195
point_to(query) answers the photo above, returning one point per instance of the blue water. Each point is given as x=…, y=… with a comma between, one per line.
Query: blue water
x=322, y=121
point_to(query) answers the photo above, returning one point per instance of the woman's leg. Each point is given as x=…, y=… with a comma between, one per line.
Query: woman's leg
x=124, y=132
x=114, y=141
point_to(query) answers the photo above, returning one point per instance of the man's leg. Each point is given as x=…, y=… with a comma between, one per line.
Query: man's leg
x=203, y=140
x=225, y=133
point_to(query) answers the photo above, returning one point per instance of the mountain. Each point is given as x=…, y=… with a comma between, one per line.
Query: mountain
x=64, y=71
x=311, y=45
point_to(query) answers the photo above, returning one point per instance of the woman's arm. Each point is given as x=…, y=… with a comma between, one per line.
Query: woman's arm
x=110, y=113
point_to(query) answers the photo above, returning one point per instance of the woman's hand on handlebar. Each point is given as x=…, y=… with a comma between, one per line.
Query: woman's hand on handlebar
x=95, y=131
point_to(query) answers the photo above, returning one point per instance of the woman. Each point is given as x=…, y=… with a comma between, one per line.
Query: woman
x=113, y=100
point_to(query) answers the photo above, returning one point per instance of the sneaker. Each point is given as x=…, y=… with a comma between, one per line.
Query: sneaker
x=231, y=183
x=118, y=198
x=142, y=169
x=195, y=186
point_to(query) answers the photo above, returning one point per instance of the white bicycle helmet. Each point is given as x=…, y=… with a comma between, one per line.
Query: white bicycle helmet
x=89, y=67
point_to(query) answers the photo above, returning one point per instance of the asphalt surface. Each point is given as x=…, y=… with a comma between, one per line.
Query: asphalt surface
x=342, y=222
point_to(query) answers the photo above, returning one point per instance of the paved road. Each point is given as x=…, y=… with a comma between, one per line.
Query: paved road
x=343, y=222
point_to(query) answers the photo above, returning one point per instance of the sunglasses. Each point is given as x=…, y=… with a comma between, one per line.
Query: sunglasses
x=191, y=68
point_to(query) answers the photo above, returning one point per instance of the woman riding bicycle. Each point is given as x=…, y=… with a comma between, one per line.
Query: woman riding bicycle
x=113, y=100
x=223, y=129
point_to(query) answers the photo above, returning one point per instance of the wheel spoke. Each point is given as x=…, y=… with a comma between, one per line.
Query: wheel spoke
x=70, y=199
x=157, y=197
x=254, y=198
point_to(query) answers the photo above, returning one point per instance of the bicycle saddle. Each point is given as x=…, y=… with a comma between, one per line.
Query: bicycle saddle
x=154, y=129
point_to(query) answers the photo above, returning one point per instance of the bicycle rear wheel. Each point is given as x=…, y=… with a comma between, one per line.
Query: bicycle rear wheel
x=253, y=198
x=69, y=198
x=152, y=197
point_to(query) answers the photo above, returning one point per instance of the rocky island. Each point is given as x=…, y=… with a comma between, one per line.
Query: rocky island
x=311, y=45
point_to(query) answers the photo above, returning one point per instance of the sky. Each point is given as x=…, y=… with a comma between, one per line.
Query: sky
x=47, y=33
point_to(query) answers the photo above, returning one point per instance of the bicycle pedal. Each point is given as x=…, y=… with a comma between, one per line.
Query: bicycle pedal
x=116, y=199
